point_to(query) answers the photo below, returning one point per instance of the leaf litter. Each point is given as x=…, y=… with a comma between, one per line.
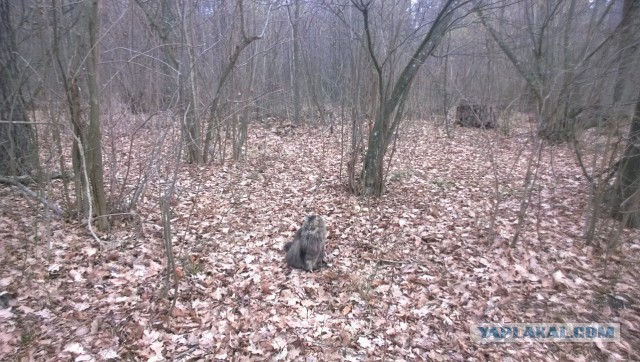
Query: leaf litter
x=408, y=272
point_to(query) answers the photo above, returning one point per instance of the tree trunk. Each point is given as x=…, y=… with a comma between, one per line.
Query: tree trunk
x=17, y=145
x=626, y=88
x=628, y=183
x=188, y=90
x=295, y=24
x=626, y=188
x=78, y=128
x=93, y=146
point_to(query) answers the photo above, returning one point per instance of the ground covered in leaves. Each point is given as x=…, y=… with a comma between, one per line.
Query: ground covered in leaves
x=408, y=273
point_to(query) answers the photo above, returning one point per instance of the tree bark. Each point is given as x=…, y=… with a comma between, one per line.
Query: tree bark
x=626, y=88
x=93, y=150
x=627, y=186
x=17, y=144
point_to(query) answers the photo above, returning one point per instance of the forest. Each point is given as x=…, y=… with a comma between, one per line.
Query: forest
x=317, y=180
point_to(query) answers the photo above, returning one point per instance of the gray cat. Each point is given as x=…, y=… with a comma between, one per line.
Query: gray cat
x=306, y=251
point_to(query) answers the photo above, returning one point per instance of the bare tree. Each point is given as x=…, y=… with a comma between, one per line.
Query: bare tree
x=244, y=41
x=568, y=69
x=168, y=22
x=555, y=63
x=392, y=95
x=76, y=53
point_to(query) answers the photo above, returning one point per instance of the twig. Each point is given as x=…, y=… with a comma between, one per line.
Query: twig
x=388, y=261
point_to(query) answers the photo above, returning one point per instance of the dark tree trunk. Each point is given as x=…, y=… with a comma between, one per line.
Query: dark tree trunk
x=627, y=186
x=16, y=134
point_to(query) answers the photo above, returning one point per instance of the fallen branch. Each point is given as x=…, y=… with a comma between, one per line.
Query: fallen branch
x=18, y=182
x=28, y=179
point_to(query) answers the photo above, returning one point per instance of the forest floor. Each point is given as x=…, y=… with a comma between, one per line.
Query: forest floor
x=408, y=273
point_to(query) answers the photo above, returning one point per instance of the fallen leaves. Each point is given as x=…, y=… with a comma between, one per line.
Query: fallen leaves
x=407, y=272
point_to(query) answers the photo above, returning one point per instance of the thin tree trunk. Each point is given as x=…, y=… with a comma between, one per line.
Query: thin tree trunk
x=295, y=24
x=94, y=135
